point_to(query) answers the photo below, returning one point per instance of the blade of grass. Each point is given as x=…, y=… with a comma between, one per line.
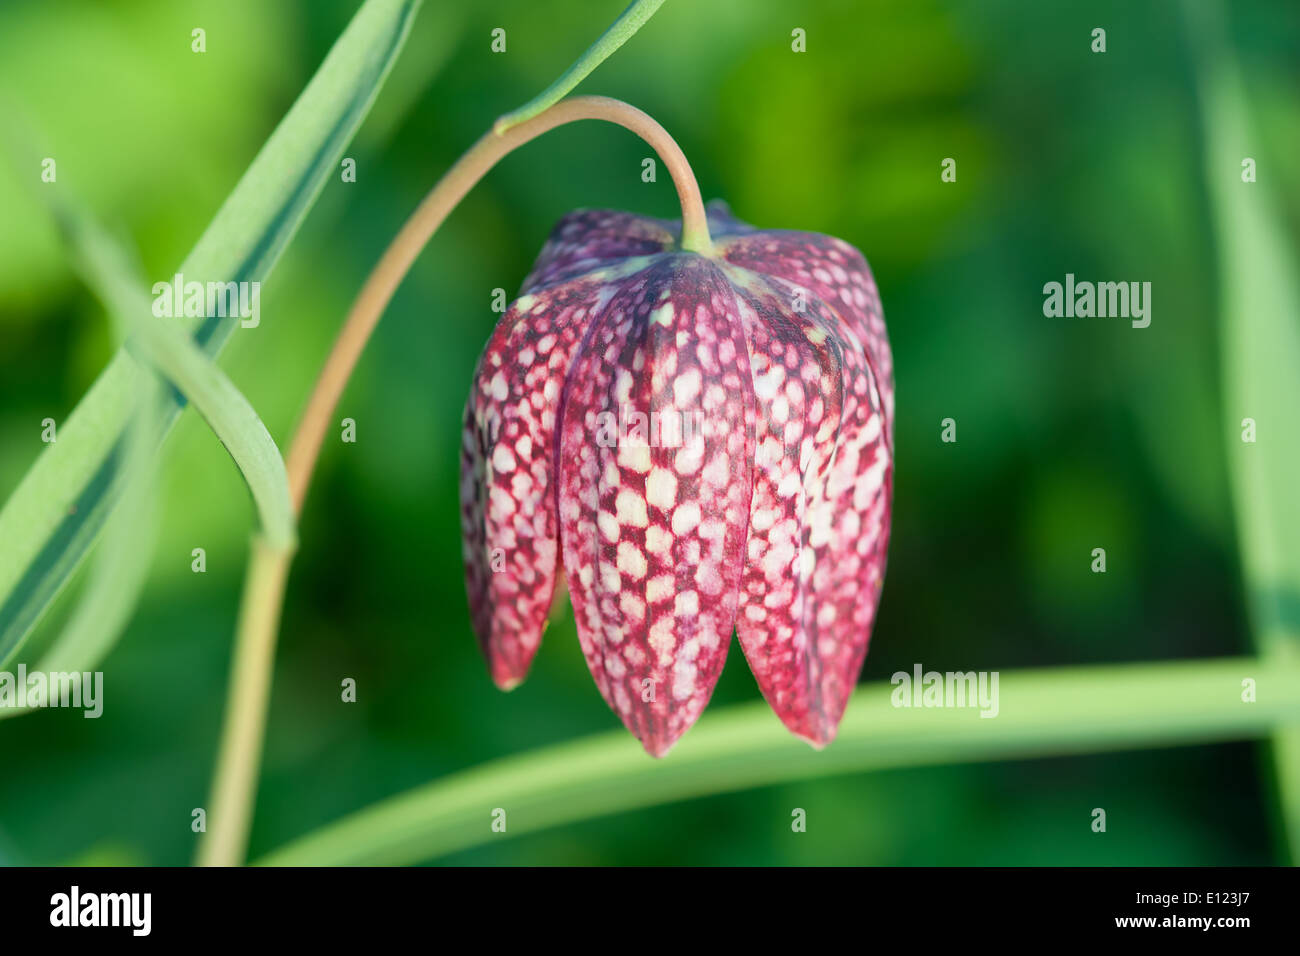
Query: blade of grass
x=619, y=32
x=54, y=516
x=174, y=354
x=122, y=562
x=103, y=611
x=1259, y=290
x=1041, y=713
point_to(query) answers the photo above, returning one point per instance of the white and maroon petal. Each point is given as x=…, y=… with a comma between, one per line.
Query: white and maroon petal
x=849, y=536
x=508, y=515
x=819, y=522
x=654, y=511
x=833, y=271
x=589, y=239
x=799, y=392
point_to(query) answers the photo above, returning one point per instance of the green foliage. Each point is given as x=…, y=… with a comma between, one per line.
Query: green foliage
x=54, y=517
x=1071, y=431
x=1055, y=712
x=1259, y=292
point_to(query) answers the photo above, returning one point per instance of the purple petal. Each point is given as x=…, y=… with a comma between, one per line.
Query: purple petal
x=508, y=472
x=590, y=239
x=834, y=272
x=819, y=520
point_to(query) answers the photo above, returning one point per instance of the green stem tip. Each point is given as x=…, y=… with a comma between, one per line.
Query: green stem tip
x=619, y=32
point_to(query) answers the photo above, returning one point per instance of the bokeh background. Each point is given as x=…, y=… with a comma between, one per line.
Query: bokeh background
x=1072, y=434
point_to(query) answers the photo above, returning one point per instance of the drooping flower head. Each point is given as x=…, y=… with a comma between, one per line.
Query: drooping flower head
x=703, y=443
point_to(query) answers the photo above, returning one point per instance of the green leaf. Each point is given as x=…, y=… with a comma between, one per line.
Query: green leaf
x=619, y=32
x=1259, y=290
x=1079, y=710
x=122, y=561
x=53, y=518
x=230, y=416
x=174, y=354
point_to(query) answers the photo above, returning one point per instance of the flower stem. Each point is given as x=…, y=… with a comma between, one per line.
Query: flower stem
x=429, y=215
x=619, y=32
x=241, y=746
x=230, y=807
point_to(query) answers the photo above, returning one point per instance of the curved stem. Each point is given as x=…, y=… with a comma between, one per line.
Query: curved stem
x=241, y=745
x=1039, y=713
x=429, y=215
x=619, y=32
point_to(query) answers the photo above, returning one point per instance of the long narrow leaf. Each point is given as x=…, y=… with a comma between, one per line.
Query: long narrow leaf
x=619, y=32
x=1259, y=289
x=173, y=354
x=56, y=513
x=1079, y=710
x=122, y=561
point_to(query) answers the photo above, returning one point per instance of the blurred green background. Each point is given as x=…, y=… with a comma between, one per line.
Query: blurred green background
x=1072, y=434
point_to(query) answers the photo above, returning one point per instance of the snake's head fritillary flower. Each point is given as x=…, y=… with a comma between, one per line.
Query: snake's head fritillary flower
x=703, y=442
